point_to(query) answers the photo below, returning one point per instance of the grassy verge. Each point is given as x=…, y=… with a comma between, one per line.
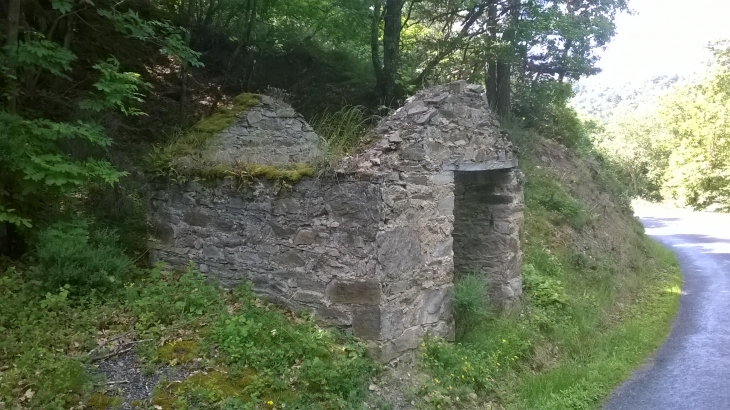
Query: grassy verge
x=595, y=309
x=233, y=350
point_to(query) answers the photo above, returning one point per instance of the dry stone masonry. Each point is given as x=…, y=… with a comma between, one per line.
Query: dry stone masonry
x=373, y=246
x=270, y=133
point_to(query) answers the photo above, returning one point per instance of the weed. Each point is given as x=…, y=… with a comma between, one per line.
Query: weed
x=325, y=366
x=544, y=192
x=259, y=357
x=69, y=253
x=343, y=130
x=470, y=303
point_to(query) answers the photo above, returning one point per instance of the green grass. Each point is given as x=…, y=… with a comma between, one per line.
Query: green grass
x=590, y=317
x=343, y=131
x=244, y=351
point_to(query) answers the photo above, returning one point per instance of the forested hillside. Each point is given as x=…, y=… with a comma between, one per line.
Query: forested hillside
x=95, y=92
x=606, y=102
x=674, y=147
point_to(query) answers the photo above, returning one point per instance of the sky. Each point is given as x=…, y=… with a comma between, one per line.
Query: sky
x=662, y=37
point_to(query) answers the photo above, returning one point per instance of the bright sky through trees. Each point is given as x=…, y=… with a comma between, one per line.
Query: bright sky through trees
x=663, y=37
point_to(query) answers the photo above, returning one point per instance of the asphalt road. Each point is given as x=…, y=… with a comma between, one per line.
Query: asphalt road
x=692, y=368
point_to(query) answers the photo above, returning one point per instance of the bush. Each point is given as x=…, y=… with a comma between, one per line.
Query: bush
x=470, y=303
x=544, y=291
x=543, y=106
x=543, y=192
x=69, y=253
x=325, y=366
x=164, y=297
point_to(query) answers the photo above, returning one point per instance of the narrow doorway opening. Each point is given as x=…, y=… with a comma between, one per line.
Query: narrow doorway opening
x=486, y=231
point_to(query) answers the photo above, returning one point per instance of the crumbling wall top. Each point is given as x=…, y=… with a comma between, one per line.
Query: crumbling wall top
x=270, y=133
x=446, y=128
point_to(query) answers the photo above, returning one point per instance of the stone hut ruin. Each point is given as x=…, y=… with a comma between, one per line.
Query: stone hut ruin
x=374, y=244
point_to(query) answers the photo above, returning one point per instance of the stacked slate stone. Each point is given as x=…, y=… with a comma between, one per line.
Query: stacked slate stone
x=370, y=247
x=269, y=133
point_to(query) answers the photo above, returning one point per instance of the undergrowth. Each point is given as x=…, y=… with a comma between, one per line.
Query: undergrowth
x=241, y=352
x=343, y=131
x=590, y=316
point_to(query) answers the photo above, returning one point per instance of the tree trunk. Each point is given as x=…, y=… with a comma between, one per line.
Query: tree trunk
x=490, y=81
x=245, y=41
x=503, y=102
x=500, y=71
x=12, y=44
x=391, y=47
x=375, y=47
x=184, y=70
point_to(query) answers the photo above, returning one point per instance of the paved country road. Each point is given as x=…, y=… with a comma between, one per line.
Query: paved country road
x=692, y=369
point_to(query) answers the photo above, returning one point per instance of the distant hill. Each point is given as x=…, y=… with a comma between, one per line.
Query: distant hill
x=602, y=102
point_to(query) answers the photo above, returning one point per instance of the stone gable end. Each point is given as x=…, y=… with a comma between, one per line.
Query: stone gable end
x=374, y=245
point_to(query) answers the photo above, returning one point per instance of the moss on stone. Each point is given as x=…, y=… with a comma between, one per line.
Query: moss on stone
x=192, y=142
x=102, y=401
x=247, y=172
x=216, y=386
x=167, y=161
x=178, y=352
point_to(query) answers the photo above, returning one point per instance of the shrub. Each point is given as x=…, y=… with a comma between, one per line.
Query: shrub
x=69, y=253
x=544, y=291
x=325, y=366
x=470, y=303
x=165, y=297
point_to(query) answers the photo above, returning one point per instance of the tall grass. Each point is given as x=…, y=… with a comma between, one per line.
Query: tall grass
x=343, y=130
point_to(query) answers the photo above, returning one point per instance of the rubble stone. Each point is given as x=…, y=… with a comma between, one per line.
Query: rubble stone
x=373, y=246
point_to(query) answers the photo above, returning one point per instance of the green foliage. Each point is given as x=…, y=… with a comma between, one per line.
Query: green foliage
x=343, y=130
x=36, y=53
x=42, y=337
x=117, y=89
x=34, y=164
x=69, y=253
x=471, y=303
x=47, y=339
x=325, y=366
x=544, y=192
x=544, y=291
x=169, y=298
x=169, y=37
x=543, y=107
x=680, y=151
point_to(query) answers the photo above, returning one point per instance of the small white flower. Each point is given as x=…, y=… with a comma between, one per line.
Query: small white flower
x=273, y=332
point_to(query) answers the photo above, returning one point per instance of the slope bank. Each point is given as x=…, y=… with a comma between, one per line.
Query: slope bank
x=599, y=296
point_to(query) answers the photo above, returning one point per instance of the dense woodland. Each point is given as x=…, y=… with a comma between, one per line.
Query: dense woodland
x=94, y=91
x=88, y=86
x=669, y=137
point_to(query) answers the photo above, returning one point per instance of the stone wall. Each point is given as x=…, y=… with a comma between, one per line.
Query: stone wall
x=323, y=246
x=368, y=247
x=488, y=215
x=269, y=133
